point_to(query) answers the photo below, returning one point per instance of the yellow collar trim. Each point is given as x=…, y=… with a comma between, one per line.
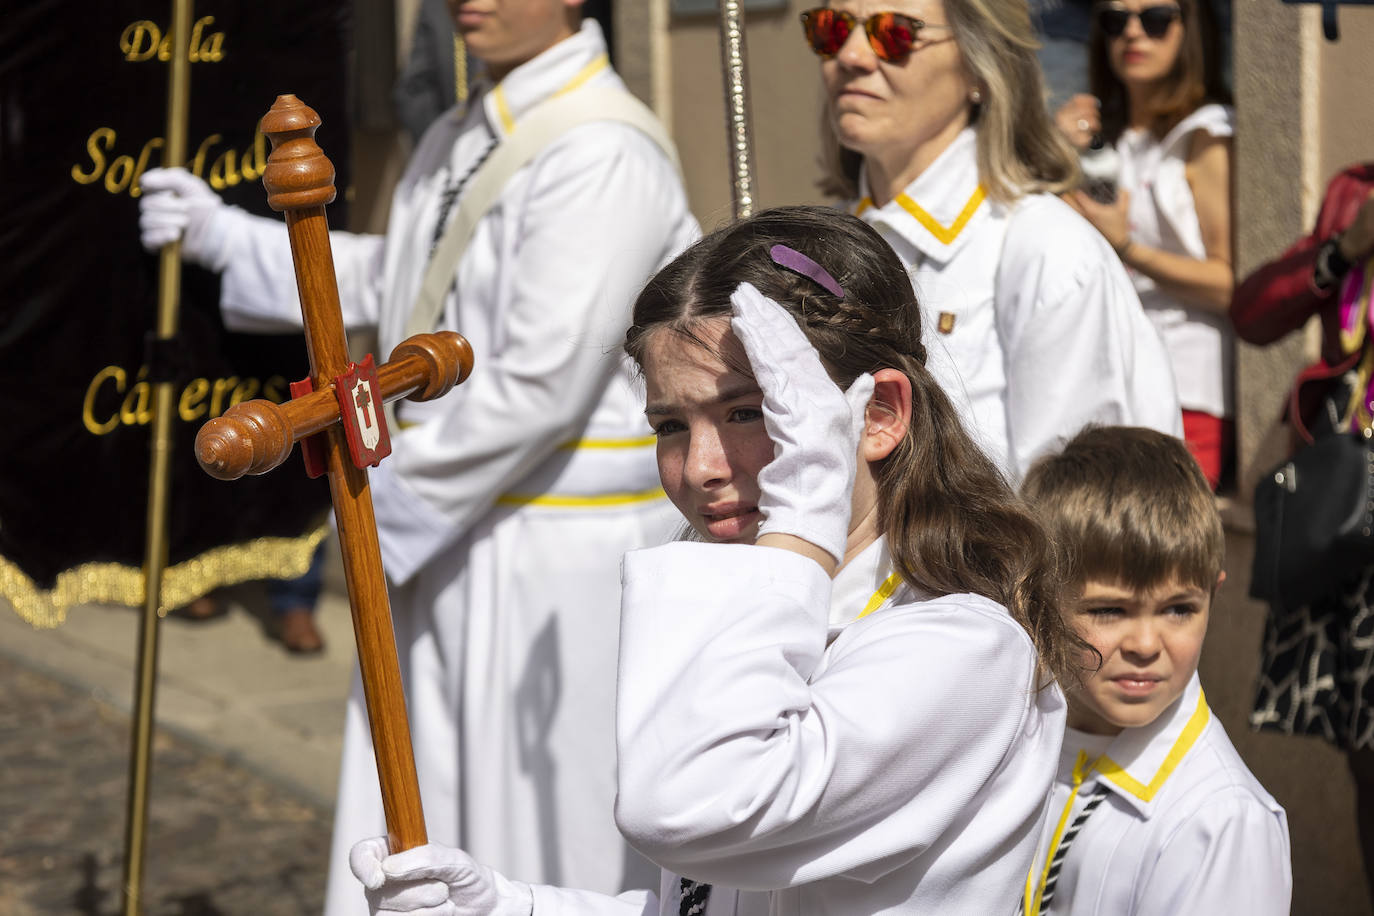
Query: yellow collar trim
x=883, y=593
x=593, y=67
x=503, y=110
x=1111, y=770
x=943, y=234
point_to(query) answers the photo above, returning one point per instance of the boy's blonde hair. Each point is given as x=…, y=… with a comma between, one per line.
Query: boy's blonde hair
x=1129, y=505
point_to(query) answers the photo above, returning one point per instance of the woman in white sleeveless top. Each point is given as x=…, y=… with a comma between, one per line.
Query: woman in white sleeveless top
x=1158, y=99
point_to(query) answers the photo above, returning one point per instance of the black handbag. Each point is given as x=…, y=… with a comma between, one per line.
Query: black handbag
x=1314, y=521
x=1314, y=513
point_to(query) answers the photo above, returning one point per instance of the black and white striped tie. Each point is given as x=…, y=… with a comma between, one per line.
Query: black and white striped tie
x=451, y=192
x=1060, y=852
x=694, y=897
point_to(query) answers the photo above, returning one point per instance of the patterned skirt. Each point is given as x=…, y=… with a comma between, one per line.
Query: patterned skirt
x=1317, y=669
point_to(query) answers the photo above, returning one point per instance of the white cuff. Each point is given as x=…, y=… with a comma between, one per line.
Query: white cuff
x=213, y=241
x=563, y=901
x=411, y=531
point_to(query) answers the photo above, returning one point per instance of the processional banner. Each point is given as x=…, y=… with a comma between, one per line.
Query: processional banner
x=83, y=90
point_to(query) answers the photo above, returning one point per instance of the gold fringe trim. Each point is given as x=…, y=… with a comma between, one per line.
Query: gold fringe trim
x=115, y=583
x=460, y=69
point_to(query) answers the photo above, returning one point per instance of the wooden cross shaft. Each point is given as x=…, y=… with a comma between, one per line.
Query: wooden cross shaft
x=256, y=436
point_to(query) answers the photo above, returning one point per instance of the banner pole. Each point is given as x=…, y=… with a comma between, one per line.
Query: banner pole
x=159, y=473
x=739, y=137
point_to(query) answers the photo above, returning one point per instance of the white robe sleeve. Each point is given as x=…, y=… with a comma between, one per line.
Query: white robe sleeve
x=1232, y=856
x=603, y=210
x=563, y=901
x=1078, y=346
x=258, y=287
x=740, y=765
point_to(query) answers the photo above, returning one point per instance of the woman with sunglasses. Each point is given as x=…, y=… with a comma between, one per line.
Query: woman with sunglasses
x=936, y=130
x=1159, y=100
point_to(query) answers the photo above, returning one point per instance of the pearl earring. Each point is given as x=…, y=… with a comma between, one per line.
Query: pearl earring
x=975, y=96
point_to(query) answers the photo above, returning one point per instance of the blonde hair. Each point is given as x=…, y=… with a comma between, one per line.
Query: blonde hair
x=1019, y=150
x=1130, y=505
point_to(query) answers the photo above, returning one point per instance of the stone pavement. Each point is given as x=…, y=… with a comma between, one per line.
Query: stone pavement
x=246, y=761
x=244, y=767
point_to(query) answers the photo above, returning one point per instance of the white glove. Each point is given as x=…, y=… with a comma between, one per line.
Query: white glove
x=434, y=880
x=177, y=205
x=807, y=488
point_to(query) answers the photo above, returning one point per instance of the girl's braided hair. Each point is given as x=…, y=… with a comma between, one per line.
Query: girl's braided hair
x=952, y=521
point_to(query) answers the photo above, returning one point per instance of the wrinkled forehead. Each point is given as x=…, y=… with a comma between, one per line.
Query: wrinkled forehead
x=700, y=344
x=704, y=350
x=928, y=10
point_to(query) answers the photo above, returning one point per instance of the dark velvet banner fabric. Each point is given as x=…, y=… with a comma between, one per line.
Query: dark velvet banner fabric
x=82, y=113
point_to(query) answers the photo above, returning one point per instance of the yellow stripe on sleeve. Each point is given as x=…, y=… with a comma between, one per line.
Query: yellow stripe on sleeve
x=580, y=502
x=631, y=442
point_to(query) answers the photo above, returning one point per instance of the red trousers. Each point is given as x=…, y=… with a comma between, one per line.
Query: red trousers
x=1212, y=440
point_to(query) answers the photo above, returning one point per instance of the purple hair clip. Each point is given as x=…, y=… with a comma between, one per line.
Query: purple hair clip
x=795, y=261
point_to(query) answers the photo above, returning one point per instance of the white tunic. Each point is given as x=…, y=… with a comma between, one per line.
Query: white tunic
x=507, y=504
x=1184, y=830
x=1031, y=324
x=846, y=752
x=1163, y=215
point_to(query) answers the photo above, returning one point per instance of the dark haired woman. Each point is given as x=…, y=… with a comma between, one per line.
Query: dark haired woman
x=828, y=703
x=1155, y=71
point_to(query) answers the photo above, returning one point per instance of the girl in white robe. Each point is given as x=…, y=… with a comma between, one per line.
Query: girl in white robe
x=838, y=697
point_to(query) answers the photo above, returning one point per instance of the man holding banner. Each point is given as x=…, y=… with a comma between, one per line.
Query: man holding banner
x=79, y=299
x=527, y=221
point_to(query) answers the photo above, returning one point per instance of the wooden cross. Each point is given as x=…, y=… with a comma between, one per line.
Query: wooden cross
x=256, y=436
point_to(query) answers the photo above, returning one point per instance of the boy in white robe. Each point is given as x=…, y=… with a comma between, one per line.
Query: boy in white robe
x=1153, y=812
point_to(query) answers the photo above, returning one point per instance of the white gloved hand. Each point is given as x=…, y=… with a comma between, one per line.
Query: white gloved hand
x=815, y=427
x=434, y=880
x=177, y=205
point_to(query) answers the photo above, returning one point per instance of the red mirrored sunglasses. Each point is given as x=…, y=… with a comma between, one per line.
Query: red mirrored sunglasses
x=891, y=35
